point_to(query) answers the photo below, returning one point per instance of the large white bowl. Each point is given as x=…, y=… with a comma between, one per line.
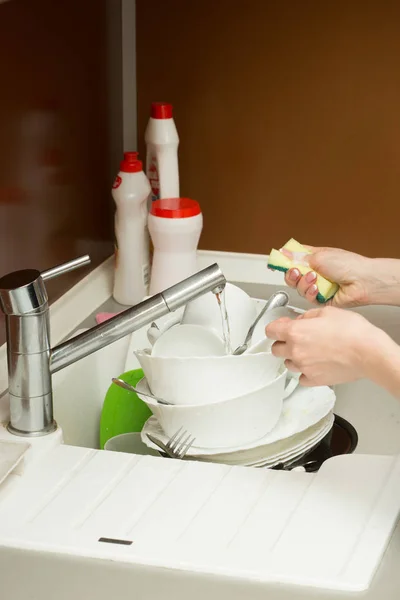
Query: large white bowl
x=232, y=422
x=203, y=379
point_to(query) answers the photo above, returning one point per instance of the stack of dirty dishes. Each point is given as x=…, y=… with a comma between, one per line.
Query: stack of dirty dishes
x=228, y=403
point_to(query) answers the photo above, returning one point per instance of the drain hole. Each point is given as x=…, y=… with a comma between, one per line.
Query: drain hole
x=114, y=541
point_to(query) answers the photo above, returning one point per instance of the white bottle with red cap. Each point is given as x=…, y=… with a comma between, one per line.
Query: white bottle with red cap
x=131, y=191
x=162, y=143
x=175, y=226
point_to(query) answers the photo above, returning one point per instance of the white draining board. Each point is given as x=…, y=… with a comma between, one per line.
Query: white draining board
x=11, y=458
x=327, y=529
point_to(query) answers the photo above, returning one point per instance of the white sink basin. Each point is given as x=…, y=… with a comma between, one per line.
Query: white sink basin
x=79, y=392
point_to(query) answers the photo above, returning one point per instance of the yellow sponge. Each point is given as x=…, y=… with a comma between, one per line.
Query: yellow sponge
x=279, y=262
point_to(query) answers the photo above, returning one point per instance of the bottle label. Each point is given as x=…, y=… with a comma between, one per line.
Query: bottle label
x=146, y=275
x=117, y=182
x=150, y=248
x=154, y=179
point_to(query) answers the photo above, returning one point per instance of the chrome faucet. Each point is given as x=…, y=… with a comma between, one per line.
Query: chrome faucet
x=32, y=361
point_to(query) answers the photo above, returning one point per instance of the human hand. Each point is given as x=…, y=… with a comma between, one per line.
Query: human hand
x=327, y=345
x=354, y=274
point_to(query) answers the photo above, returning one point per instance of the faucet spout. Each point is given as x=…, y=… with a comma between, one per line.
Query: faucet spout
x=140, y=315
x=102, y=335
x=31, y=361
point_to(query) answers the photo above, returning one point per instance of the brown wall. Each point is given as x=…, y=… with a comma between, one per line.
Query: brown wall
x=288, y=114
x=55, y=150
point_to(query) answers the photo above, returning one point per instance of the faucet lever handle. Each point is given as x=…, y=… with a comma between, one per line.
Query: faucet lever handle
x=71, y=265
x=21, y=292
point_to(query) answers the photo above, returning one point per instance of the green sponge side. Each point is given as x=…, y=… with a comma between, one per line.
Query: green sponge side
x=276, y=268
x=321, y=299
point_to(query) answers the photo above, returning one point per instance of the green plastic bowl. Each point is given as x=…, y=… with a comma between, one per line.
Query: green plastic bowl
x=123, y=411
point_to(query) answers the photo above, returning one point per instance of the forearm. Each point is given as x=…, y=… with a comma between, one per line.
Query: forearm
x=384, y=281
x=383, y=363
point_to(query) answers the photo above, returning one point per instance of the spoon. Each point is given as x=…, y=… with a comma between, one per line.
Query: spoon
x=276, y=301
x=127, y=386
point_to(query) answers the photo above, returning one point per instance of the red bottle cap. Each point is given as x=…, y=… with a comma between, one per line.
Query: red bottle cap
x=161, y=110
x=131, y=163
x=175, y=208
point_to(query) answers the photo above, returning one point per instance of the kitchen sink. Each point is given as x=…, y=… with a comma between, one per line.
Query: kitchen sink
x=79, y=392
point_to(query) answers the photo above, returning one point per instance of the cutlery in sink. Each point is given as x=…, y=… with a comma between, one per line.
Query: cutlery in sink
x=178, y=446
x=276, y=301
x=127, y=386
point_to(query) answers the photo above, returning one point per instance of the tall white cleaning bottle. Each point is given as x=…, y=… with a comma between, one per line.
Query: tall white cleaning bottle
x=175, y=226
x=131, y=191
x=162, y=143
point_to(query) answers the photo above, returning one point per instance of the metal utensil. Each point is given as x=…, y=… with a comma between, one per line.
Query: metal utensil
x=130, y=388
x=276, y=301
x=159, y=444
x=178, y=446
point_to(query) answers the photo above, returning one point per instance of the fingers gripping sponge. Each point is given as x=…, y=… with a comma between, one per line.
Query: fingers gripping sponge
x=280, y=262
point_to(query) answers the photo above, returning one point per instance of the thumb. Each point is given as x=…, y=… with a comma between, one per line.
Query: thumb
x=277, y=330
x=326, y=262
x=311, y=314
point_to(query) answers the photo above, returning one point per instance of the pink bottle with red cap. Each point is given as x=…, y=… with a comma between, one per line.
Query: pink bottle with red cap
x=131, y=191
x=175, y=226
x=162, y=143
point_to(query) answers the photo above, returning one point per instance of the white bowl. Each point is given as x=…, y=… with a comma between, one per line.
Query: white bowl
x=268, y=317
x=184, y=341
x=264, y=345
x=203, y=380
x=241, y=310
x=232, y=422
x=159, y=328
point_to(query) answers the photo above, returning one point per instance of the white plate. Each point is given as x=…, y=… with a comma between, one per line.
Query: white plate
x=299, y=450
x=303, y=409
x=289, y=448
x=294, y=450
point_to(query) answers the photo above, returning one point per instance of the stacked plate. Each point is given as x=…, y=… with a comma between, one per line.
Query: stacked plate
x=307, y=417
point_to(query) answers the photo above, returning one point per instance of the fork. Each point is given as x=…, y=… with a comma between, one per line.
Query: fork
x=177, y=446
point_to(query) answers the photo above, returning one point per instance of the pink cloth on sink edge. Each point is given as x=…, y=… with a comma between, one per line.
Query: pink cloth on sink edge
x=104, y=316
